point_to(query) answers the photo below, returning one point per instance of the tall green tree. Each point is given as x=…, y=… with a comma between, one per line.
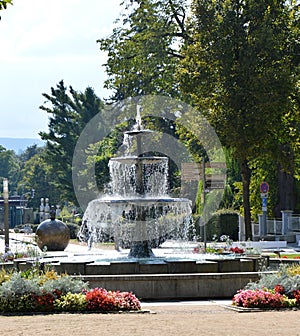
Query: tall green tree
x=143, y=48
x=69, y=112
x=239, y=71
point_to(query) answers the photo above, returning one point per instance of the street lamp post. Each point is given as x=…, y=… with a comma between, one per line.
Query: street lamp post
x=6, y=209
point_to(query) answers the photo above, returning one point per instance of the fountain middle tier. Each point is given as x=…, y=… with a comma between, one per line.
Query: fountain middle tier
x=139, y=221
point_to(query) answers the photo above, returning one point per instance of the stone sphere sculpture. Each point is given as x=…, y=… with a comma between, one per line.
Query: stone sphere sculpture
x=52, y=234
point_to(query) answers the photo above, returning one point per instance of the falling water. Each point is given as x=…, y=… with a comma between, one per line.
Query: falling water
x=124, y=170
x=138, y=213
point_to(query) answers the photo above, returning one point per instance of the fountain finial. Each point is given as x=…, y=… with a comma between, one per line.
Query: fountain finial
x=138, y=117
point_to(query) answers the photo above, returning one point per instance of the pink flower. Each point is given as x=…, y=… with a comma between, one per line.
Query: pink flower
x=261, y=298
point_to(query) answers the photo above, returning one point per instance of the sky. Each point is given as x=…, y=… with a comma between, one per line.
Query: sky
x=43, y=42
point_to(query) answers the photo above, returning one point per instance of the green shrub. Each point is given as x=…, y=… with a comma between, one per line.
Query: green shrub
x=48, y=291
x=71, y=302
x=283, y=277
x=74, y=228
x=64, y=284
x=4, y=275
x=223, y=223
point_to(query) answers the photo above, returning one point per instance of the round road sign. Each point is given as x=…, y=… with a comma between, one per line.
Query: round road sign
x=264, y=187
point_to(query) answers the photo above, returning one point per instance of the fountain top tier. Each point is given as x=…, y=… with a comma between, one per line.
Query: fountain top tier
x=139, y=176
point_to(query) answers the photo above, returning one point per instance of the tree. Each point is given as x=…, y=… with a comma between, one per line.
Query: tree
x=29, y=152
x=37, y=174
x=142, y=51
x=69, y=112
x=239, y=71
x=9, y=167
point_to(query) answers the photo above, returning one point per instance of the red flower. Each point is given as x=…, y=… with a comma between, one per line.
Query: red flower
x=44, y=302
x=237, y=250
x=279, y=289
x=102, y=300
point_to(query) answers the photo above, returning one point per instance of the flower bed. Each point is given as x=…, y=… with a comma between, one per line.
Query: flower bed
x=272, y=291
x=48, y=292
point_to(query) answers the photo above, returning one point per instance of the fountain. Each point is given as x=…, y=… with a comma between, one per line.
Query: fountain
x=139, y=213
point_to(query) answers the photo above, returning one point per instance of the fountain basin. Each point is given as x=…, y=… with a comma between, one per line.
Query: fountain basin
x=171, y=275
x=175, y=286
x=159, y=278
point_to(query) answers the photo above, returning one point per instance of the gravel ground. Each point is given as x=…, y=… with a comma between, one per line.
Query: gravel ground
x=189, y=318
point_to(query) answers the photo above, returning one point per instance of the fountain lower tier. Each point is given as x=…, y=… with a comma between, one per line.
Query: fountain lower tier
x=139, y=222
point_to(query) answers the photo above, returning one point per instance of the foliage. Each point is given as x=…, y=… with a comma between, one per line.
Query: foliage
x=4, y=275
x=4, y=3
x=47, y=291
x=24, y=250
x=100, y=299
x=37, y=174
x=222, y=56
x=237, y=49
x=223, y=222
x=262, y=298
x=71, y=302
x=69, y=112
x=74, y=228
x=237, y=62
x=143, y=48
x=286, y=276
x=9, y=167
x=272, y=290
x=237, y=250
x=262, y=170
x=64, y=284
x=293, y=270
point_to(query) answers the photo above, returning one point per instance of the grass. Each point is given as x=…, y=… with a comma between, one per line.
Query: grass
x=285, y=255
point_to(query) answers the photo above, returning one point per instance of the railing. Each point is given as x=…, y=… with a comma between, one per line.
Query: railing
x=294, y=223
x=274, y=227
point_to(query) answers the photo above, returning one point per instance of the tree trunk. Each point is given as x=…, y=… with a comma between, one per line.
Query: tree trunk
x=286, y=192
x=246, y=174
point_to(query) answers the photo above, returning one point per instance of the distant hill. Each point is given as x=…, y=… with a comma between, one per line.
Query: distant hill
x=20, y=144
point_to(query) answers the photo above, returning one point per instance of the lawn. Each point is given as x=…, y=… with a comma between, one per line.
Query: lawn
x=285, y=255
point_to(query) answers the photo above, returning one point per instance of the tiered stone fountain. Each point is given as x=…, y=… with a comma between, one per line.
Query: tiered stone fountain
x=139, y=212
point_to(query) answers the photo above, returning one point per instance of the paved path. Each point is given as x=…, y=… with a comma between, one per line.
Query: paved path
x=207, y=318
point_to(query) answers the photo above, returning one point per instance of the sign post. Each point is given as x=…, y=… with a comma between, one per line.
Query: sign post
x=264, y=189
x=6, y=210
x=204, y=206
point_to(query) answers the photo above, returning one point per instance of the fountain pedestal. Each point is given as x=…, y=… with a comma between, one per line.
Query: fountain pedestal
x=141, y=249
